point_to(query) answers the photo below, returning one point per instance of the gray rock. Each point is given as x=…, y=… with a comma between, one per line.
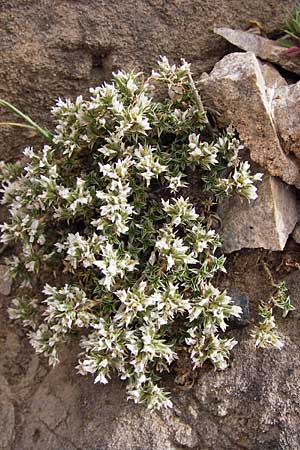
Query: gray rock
x=264, y=48
x=286, y=113
x=263, y=223
x=237, y=90
x=5, y=282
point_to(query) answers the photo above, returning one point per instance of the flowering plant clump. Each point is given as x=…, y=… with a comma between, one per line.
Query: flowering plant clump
x=110, y=247
x=265, y=333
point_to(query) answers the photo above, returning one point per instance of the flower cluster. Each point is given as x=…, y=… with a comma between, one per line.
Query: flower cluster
x=103, y=219
x=265, y=333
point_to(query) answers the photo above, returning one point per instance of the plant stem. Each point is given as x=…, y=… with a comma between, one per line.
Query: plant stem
x=43, y=131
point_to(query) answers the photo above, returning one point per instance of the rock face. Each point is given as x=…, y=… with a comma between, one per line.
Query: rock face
x=54, y=48
x=254, y=404
x=263, y=223
x=237, y=90
x=286, y=113
x=7, y=417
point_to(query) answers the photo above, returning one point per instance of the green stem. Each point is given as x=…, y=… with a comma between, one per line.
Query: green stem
x=43, y=131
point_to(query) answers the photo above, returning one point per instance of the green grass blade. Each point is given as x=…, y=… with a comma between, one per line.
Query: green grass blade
x=14, y=124
x=43, y=131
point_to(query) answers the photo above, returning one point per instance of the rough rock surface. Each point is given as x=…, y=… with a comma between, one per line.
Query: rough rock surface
x=296, y=233
x=237, y=90
x=292, y=281
x=253, y=405
x=52, y=48
x=272, y=78
x=5, y=282
x=266, y=49
x=286, y=113
x=262, y=223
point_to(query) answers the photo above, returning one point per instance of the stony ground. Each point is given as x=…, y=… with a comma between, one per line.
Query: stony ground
x=51, y=48
x=254, y=404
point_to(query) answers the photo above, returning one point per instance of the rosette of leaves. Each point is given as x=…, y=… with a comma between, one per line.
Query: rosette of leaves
x=112, y=221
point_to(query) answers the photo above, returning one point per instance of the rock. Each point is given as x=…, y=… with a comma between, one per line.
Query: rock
x=272, y=77
x=237, y=90
x=273, y=81
x=54, y=48
x=292, y=281
x=286, y=113
x=7, y=416
x=5, y=282
x=253, y=404
x=247, y=395
x=296, y=233
x=263, y=223
x=7, y=424
x=241, y=299
x=262, y=47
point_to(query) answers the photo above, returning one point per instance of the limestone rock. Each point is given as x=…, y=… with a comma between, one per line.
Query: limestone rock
x=286, y=113
x=5, y=282
x=264, y=48
x=263, y=223
x=237, y=90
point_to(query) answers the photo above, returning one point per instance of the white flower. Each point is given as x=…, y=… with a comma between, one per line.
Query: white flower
x=244, y=181
x=147, y=163
x=176, y=182
x=181, y=211
x=201, y=152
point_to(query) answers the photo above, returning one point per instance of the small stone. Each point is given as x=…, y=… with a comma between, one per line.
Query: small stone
x=262, y=47
x=237, y=90
x=265, y=222
x=286, y=113
x=5, y=282
x=241, y=299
